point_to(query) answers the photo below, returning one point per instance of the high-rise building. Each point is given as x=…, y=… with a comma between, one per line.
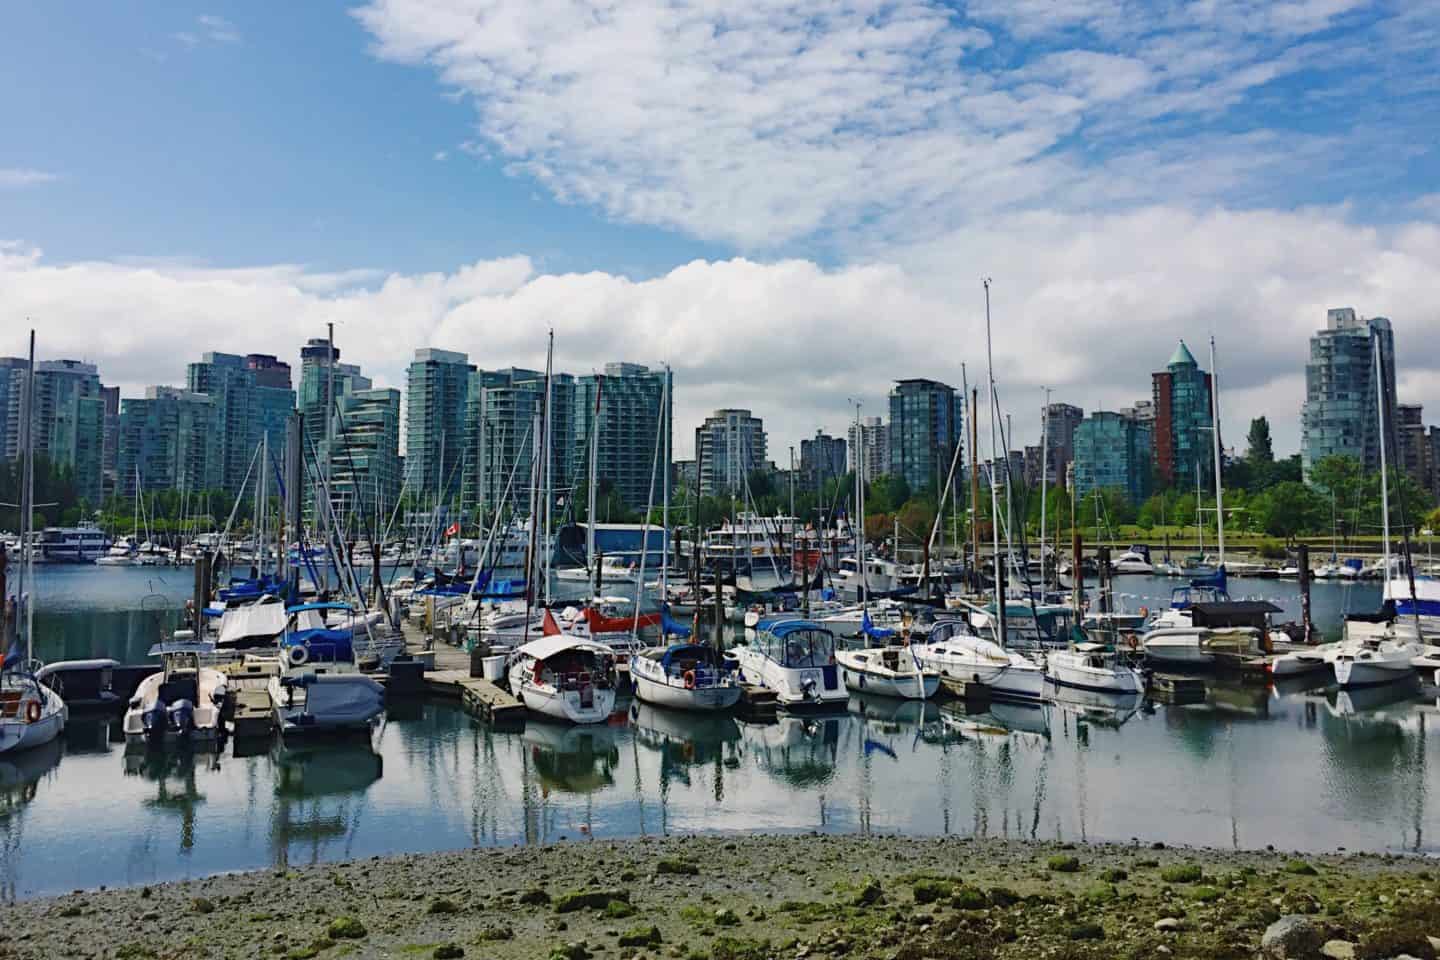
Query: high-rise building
x=435, y=431
x=249, y=411
x=110, y=450
x=1113, y=452
x=12, y=375
x=505, y=426
x=68, y=420
x=1060, y=421
x=169, y=440
x=314, y=398
x=1182, y=418
x=1340, y=415
x=365, y=466
x=868, y=448
x=1412, y=452
x=926, y=421
x=630, y=398
x=729, y=446
x=822, y=458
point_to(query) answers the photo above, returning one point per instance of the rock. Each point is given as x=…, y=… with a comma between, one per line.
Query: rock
x=448, y=951
x=1338, y=950
x=1291, y=936
x=346, y=928
x=1168, y=924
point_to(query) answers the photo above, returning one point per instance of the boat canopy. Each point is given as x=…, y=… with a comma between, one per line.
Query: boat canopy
x=332, y=605
x=547, y=647
x=692, y=651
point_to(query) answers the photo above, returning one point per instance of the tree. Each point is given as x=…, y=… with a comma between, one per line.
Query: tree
x=1259, y=449
x=1289, y=509
x=886, y=494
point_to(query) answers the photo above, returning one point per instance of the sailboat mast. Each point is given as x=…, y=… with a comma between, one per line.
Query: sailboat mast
x=1044, y=465
x=27, y=501
x=590, y=507
x=549, y=480
x=323, y=517
x=860, y=508
x=665, y=508
x=1215, y=441
x=994, y=497
x=1384, y=476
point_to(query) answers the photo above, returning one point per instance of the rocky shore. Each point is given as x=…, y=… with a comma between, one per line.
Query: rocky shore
x=752, y=898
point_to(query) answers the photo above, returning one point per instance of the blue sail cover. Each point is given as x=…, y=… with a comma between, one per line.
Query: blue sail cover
x=1215, y=581
x=671, y=627
x=12, y=659
x=326, y=645
x=872, y=631
x=246, y=589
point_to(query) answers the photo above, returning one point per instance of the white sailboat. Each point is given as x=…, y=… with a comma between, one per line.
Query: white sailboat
x=888, y=671
x=565, y=678
x=683, y=676
x=31, y=714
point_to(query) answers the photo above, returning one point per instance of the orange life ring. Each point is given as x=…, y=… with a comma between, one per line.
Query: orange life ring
x=32, y=711
x=689, y=678
x=1133, y=641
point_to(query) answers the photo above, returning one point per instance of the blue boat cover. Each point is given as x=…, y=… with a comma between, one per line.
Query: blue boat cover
x=326, y=645
x=671, y=627
x=782, y=627
x=681, y=649
x=872, y=631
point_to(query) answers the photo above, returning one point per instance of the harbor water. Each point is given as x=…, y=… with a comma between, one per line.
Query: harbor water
x=1297, y=768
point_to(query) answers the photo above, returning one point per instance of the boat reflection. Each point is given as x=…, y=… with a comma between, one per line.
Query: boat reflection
x=800, y=751
x=682, y=739
x=324, y=769
x=1093, y=707
x=21, y=773
x=1374, y=701
x=570, y=759
x=176, y=788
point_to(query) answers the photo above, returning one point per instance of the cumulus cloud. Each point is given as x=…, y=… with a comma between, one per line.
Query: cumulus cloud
x=1085, y=305
x=868, y=121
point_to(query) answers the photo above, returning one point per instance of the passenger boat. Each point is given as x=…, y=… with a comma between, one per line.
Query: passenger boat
x=564, y=677
x=85, y=543
x=887, y=671
x=796, y=659
x=180, y=703
x=954, y=651
x=683, y=676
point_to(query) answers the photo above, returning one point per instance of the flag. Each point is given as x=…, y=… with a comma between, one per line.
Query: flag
x=453, y=529
x=549, y=628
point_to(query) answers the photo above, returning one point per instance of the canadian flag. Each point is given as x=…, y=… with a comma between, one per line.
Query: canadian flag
x=453, y=529
x=549, y=628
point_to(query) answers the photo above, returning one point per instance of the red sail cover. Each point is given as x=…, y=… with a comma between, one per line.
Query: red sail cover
x=602, y=624
x=549, y=628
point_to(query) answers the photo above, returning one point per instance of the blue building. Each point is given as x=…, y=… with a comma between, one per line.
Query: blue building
x=251, y=405
x=1113, y=452
x=926, y=424
x=1340, y=415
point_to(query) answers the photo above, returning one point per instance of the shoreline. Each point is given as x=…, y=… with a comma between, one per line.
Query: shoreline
x=746, y=898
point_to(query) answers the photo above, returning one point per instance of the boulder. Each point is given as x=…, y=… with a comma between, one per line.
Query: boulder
x=1291, y=936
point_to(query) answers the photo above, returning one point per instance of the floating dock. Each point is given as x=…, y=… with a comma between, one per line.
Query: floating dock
x=1176, y=688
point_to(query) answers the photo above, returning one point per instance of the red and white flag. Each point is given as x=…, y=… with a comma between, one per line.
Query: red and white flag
x=549, y=628
x=453, y=529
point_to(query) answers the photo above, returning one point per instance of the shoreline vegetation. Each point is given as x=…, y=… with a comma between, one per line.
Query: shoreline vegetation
x=756, y=897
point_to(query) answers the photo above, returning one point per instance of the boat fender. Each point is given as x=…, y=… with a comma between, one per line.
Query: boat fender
x=32, y=711
x=689, y=679
x=298, y=655
x=1144, y=613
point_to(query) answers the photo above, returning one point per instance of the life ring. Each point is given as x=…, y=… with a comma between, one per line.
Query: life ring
x=1133, y=641
x=689, y=678
x=32, y=711
x=1144, y=613
x=298, y=655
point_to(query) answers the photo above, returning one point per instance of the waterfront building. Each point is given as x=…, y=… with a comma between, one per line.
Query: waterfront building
x=169, y=440
x=926, y=419
x=110, y=446
x=822, y=458
x=629, y=408
x=68, y=420
x=12, y=375
x=365, y=476
x=1182, y=419
x=435, y=433
x=316, y=359
x=1059, y=421
x=1413, y=454
x=868, y=449
x=249, y=411
x=729, y=446
x=1113, y=452
x=1340, y=415
x=686, y=475
x=505, y=426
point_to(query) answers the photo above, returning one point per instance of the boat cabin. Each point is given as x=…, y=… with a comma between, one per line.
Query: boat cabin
x=696, y=664
x=797, y=644
x=1233, y=613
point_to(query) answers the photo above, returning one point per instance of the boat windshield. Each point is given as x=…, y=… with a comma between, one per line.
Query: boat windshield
x=798, y=649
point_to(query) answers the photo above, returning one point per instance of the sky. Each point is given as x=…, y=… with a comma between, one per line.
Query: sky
x=792, y=204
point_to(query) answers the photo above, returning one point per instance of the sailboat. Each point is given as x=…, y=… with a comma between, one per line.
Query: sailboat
x=1331, y=569
x=31, y=714
x=1369, y=660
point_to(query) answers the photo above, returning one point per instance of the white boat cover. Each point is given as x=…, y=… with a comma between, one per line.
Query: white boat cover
x=265, y=618
x=547, y=647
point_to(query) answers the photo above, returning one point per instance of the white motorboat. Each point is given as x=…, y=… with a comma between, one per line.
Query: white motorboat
x=683, y=676
x=1028, y=625
x=952, y=651
x=888, y=671
x=320, y=687
x=1095, y=667
x=182, y=702
x=564, y=677
x=1373, y=661
x=1200, y=646
x=796, y=659
x=1134, y=560
x=612, y=570
x=1299, y=662
x=848, y=620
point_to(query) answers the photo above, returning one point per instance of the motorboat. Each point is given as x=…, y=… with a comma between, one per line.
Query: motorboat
x=953, y=650
x=683, y=676
x=893, y=671
x=564, y=677
x=847, y=620
x=1373, y=661
x=1201, y=646
x=84, y=543
x=1134, y=560
x=320, y=687
x=1093, y=666
x=796, y=659
x=182, y=702
x=248, y=622
x=31, y=713
x=1295, y=663
x=121, y=553
x=612, y=570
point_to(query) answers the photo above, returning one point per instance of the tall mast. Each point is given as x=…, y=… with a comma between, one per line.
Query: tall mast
x=548, y=480
x=994, y=452
x=1384, y=477
x=1044, y=476
x=1215, y=440
x=590, y=508
x=27, y=500
x=860, y=510
x=665, y=509
x=324, y=516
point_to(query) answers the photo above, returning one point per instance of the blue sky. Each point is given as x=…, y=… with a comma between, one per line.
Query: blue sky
x=791, y=203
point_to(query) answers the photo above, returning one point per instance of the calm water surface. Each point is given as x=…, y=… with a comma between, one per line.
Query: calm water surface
x=1298, y=768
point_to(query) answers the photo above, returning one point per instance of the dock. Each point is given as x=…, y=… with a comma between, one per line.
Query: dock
x=1176, y=688
x=757, y=702
x=253, y=715
x=449, y=675
x=968, y=690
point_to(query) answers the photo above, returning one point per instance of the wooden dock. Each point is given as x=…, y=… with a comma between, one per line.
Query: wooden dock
x=254, y=715
x=757, y=702
x=967, y=690
x=1175, y=688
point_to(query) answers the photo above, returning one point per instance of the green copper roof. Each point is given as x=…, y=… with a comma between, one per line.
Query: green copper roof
x=1182, y=357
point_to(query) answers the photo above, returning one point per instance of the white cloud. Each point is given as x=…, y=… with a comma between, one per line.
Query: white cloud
x=865, y=121
x=218, y=28
x=15, y=177
x=1086, y=305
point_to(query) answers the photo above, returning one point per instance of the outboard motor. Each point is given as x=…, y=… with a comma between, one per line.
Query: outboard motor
x=153, y=720
x=182, y=717
x=809, y=688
